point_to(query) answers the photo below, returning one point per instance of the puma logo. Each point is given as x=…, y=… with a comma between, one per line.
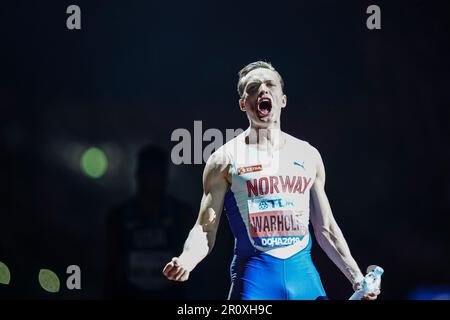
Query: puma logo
x=300, y=165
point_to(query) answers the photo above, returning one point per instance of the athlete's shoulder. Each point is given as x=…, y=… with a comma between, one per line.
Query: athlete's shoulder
x=231, y=147
x=240, y=138
x=299, y=142
x=305, y=146
x=224, y=154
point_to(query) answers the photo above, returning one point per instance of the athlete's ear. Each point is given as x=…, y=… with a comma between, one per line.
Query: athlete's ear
x=283, y=101
x=242, y=104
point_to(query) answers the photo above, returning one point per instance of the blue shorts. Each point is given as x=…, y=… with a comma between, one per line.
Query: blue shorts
x=264, y=277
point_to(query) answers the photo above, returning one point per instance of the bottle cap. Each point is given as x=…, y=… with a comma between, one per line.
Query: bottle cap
x=378, y=271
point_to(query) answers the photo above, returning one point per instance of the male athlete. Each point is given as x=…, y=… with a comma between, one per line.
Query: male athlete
x=271, y=185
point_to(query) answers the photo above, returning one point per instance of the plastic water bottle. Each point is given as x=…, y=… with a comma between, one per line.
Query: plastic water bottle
x=370, y=283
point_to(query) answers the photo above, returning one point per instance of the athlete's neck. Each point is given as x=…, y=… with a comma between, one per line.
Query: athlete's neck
x=269, y=137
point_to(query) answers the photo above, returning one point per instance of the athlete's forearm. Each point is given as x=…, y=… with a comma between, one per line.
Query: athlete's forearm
x=329, y=235
x=332, y=241
x=196, y=248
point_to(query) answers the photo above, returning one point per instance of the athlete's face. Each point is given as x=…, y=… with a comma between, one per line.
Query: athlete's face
x=263, y=97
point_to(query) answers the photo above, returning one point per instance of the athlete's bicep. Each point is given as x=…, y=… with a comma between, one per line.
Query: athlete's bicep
x=215, y=186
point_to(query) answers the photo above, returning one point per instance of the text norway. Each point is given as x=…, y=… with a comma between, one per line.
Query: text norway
x=266, y=185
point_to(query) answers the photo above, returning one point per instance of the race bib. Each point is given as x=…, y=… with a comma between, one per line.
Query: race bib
x=276, y=222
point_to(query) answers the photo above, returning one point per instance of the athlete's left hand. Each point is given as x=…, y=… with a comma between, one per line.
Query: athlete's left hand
x=370, y=296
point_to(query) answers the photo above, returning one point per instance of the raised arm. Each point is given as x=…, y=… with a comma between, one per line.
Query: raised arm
x=329, y=235
x=202, y=236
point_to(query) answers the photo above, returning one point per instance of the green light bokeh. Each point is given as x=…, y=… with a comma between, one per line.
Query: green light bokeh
x=94, y=162
x=49, y=281
x=5, y=275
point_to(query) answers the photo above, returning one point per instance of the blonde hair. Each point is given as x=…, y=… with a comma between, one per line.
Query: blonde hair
x=252, y=66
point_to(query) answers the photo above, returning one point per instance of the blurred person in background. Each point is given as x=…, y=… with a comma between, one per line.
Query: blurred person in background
x=144, y=232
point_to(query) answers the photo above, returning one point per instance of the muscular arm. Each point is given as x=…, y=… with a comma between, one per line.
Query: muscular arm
x=328, y=234
x=202, y=236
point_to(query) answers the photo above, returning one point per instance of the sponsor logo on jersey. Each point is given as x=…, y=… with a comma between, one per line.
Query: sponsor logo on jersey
x=301, y=165
x=244, y=170
x=265, y=204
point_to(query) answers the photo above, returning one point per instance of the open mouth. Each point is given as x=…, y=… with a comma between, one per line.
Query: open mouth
x=264, y=107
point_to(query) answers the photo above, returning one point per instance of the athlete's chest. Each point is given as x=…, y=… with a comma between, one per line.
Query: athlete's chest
x=281, y=172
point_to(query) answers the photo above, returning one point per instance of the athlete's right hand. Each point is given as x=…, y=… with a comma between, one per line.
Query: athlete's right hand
x=175, y=271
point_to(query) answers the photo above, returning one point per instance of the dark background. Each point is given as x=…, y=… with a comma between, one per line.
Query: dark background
x=375, y=104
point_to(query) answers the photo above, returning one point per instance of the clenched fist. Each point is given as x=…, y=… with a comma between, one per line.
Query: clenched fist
x=176, y=271
x=370, y=296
